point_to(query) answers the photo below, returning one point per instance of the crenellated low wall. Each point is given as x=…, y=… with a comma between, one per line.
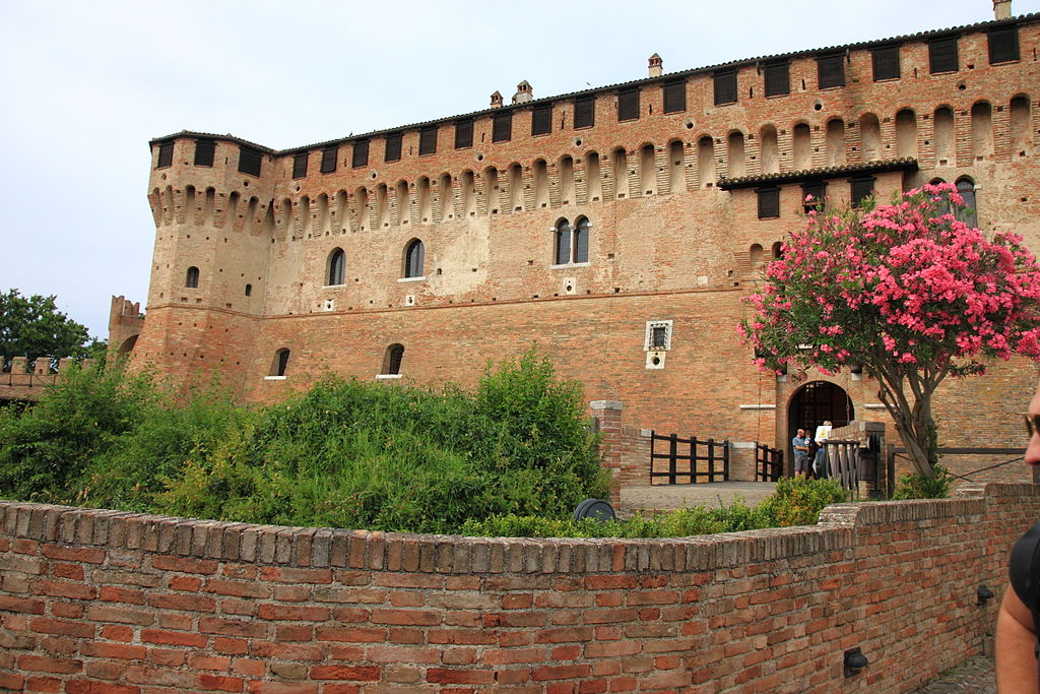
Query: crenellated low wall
x=105, y=601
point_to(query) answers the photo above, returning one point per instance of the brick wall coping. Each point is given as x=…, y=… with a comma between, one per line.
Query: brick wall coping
x=444, y=554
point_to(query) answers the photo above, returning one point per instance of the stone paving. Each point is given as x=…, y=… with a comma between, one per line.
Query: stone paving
x=664, y=497
x=973, y=675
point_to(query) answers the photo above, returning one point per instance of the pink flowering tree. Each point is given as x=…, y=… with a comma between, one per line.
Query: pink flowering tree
x=909, y=293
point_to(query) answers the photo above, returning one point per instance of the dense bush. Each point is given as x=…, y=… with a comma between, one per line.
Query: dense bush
x=352, y=454
x=798, y=501
x=45, y=448
x=915, y=486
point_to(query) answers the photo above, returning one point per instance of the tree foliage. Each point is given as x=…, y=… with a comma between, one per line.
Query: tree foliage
x=907, y=291
x=33, y=326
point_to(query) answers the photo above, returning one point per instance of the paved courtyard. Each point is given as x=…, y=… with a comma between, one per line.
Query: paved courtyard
x=666, y=497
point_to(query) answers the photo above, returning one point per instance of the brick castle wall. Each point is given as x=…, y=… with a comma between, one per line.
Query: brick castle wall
x=665, y=241
x=96, y=601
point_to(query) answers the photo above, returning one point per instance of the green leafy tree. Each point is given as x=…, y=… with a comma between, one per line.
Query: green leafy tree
x=33, y=326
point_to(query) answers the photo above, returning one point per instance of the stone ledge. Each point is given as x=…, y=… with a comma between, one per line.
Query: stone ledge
x=375, y=550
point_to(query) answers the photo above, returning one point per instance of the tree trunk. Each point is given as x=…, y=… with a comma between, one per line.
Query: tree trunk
x=915, y=426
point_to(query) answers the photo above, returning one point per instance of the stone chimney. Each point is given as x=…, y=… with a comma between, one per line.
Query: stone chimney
x=496, y=99
x=524, y=93
x=1001, y=9
x=656, y=65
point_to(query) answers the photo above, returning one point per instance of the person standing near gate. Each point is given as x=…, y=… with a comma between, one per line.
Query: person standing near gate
x=820, y=467
x=800, y=445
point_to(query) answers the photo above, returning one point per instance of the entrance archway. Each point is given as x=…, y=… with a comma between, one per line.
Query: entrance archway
x=817, y=402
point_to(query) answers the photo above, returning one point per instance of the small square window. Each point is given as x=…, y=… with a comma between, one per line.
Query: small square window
x=658, y=335
x=818, y=191
x=768, y=203
x=862, y=188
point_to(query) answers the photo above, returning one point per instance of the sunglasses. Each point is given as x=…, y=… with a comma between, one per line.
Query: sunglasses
x=1032, y=424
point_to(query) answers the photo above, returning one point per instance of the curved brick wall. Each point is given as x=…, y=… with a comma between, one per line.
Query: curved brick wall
x=105, y=601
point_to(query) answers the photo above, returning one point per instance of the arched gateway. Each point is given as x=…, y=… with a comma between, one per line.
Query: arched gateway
x=817, y=402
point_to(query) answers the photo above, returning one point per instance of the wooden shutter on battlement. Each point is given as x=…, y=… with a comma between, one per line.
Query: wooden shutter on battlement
x=585, y=112
x=360, y=155
x=428, y=140
x=328, y=159
x=831, y=71
x=393, y=147
x=1003, y=45
x=886, y=63
x=299, y=165
x=502, y=127
x=942, y=55
x=249, y=160
x=464, y=133
x=204, y=150
x=675, y=96
x=778, y=78
x=628, y=104
x=725, y=87
x=165, y=155
x=541, y=120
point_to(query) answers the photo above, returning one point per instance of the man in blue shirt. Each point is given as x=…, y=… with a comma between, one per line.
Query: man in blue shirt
x=800, y=444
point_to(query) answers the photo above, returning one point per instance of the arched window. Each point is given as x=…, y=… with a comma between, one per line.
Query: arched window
x=191, y=279
x=249, y=290
x=392, y=360
x=572, y=244
x=563, y=242
x=581, y=240
x=336, y=267
x=413, y=259
x=968, y=213
x=280, y=362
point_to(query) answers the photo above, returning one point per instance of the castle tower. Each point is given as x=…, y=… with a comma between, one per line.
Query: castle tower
x=211, y=200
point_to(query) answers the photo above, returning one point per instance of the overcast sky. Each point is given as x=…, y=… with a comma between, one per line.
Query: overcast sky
x=85, y=85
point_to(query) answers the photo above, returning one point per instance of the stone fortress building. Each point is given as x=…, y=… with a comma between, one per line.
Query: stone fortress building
x=617, y=228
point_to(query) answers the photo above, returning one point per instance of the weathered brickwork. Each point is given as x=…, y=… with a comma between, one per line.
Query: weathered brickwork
x=109, y=601
x=674, y=235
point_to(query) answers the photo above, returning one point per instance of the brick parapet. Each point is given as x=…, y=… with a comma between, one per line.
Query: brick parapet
x=89, y=598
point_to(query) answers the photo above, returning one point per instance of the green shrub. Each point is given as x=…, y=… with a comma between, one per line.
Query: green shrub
x=798, y=501
x=45, y=448
x=916, y=486
x=364, y=455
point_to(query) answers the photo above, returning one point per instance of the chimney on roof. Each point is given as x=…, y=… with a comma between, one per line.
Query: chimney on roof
x=1001, y=9
x=496, y=99
x=524, y=93
x=656, y=65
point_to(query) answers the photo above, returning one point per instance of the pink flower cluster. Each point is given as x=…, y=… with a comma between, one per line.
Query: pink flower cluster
x=910, y=280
